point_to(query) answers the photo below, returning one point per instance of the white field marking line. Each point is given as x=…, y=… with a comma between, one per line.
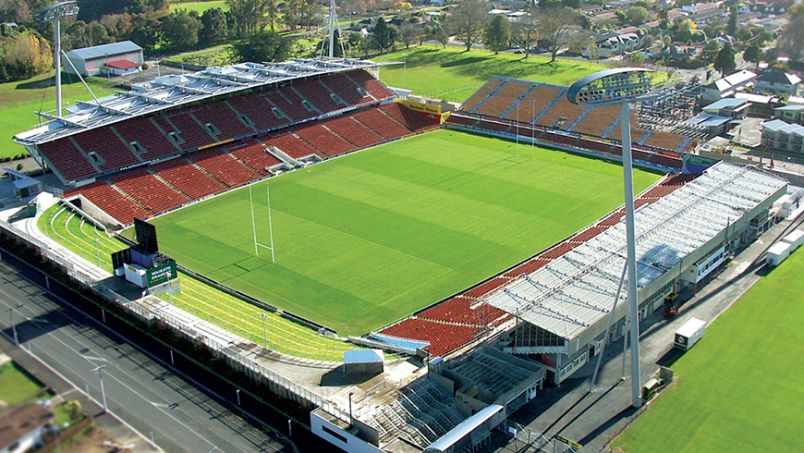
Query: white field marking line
x=242, y=321
x=229, y=320
x=306, y=334
x=78, y=388
x=112, y=376
x=291, y=345
x=163, y=364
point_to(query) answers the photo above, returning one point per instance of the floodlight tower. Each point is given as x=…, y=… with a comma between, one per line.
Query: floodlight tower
x=54, y=13
x=622, y=86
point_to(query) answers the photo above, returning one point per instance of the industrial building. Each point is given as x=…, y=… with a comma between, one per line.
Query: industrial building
x=113, y=59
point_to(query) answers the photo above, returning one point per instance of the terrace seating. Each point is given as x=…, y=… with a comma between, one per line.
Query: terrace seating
x=255, y=156
x=346, y=89
x=414, y=121
x=105, y=197
x=67, y=159
x=527, y=267
x=380, y=123
x=323, y=139
x=560, y=115
x=504, y=98
x=443, y=338
x=353, y=131
x=105, y=144
x=464, y=311
x=185, y=177
x=535, y=102
x=223, y=166
x=149, y=191
x=223, y=118
x=144, y=131
x=481, y=94
x=598, y=120
x=289, y=102
x=486, y=287
x=293, y=146
x=665, y=140
x=258, y=110
x=366, y=81
x=318, y=94
x=456, y=118
x=191, y=132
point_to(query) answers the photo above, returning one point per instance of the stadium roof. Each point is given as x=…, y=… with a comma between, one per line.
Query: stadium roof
x=174, y=90
x=105, y=50
x=575, y=291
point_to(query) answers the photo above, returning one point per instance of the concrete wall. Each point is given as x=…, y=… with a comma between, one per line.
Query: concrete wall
x=339, y=437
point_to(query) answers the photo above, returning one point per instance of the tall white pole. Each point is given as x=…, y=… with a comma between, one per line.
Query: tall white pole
x=57, y=61
x=630, y=233
x=253, y=224
x=270, y=223
x=331, y=29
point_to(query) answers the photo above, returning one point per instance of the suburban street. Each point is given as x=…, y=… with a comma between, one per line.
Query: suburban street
x=154, y=401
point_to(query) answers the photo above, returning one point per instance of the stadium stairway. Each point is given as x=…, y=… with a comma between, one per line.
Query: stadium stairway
x=580, y=118
x=515, y=105
x=549, y=106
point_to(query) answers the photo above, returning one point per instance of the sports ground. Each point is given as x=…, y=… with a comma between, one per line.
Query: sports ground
x=371, y=237
x=739, y=389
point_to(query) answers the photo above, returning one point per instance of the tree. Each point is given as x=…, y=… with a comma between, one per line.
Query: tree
x=215, y=27
x=525, y=31
x=272, y=9
x=753, y=54
x=467, y=20
x=97, y=34
x=497, y=34
x=180, y=30
x=437, y=33
x=262, y=46
x=791, y=40
x=250, y=15
x=23, y=56
x=710, y=51
x=554, y=25
x=733, y=17
x=74, y=410
x=410, y=33
x=685, y=29
x=724, y=62
x=637, y=15
x=145, y=31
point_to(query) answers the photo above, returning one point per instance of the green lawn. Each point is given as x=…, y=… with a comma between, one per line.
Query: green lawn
x=198, y=7
x=368, y=238
x=454, y=75
x=16, y=386
x=19, y=102
x=207, y=303
x=740, y=389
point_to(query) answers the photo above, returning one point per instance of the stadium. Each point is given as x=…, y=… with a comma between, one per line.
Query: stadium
x=324, y=217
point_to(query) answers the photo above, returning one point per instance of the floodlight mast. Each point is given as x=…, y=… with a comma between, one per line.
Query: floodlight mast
x=622, y=86
x=54, y=13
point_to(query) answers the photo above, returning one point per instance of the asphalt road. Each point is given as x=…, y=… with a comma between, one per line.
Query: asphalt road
x=152, y=399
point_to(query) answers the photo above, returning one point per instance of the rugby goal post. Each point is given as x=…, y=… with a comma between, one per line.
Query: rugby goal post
x=257, y=243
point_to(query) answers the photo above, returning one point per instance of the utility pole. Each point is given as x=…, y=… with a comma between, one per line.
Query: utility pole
x=54, y=13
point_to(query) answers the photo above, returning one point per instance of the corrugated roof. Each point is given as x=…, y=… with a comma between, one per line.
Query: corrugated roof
x=575, y=291
x=725, y=104
x=105, y=50
x=445, y=442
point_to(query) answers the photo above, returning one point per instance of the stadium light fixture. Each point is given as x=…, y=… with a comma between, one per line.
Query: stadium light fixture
x=54, y=13
x=622, y=86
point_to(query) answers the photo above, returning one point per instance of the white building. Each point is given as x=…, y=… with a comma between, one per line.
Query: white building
x=778, y=83
x=778, y=135
x=728, y=86
x=108, y=59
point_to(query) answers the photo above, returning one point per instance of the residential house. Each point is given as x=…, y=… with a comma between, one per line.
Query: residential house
x=728, y=86
x=778, y=135
x=791, y=113
x=778, y=83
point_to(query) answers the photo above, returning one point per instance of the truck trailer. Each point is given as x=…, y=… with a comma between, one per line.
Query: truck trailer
x=689, y=333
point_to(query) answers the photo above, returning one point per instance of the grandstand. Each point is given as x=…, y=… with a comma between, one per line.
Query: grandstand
x=178, y=139
x=531, y=109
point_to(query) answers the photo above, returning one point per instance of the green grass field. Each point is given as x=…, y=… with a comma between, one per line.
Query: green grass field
x=453, y=74
x=16, y=386
x=740, y=389
x=19, y=102
x=368, y=238
x=199, y=6
x=207, y=303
